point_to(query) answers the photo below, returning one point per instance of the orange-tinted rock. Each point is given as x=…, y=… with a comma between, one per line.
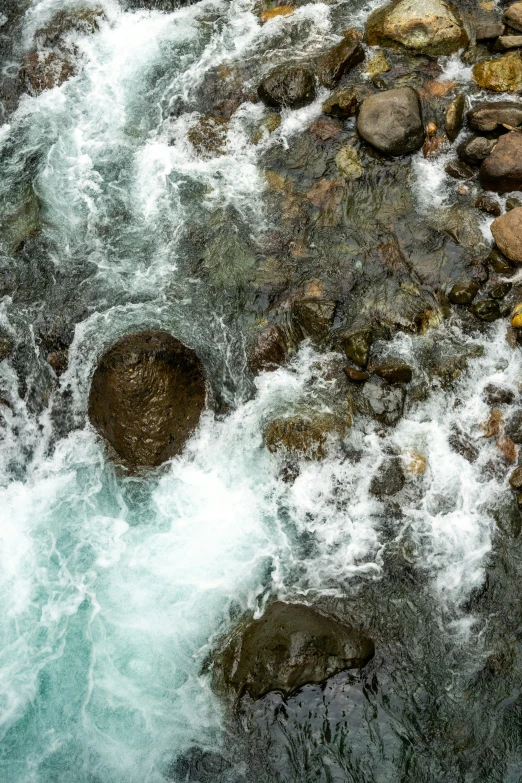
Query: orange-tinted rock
x=507, y=231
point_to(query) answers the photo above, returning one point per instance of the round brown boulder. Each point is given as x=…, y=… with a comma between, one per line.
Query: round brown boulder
x=507, y=231
x=501, y=171
x=147, y=395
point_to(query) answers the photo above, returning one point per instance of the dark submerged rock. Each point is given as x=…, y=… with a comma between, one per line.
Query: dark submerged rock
x=514, y=427
x=488, y=115
x=488, y=203
x=199, y=766
x=486, y=310
x=515, y=480
x=463, y=293
x=498, y=395
x=289, y=646
x=382, y=402
x=344, y=102
x=459, y=170
x=313, y=318
x=338, y=60
x=292, y=87
x=500, y=291
x=501, y=171
x=269, y=349
x=389, y=478
x=394, y=372
x=147, y=395
x=392, y=121
x=357, y=346
x=500, y=264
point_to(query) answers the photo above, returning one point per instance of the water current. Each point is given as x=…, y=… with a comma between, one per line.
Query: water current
x=113, y=589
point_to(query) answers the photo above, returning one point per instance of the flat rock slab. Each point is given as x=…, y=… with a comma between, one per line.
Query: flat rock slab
x=289, y=646
x=147, y=395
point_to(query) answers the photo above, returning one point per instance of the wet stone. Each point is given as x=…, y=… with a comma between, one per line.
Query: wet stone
x=394, y=372
x=383, y=401
x=357, y=346
x=485, y=32
x=303, y=437
x=288, y=87
x=486, y=310
x=498, y=395
x=459, y=170
x=475, y=149
x=500, y=291
x=500, y=264
x=512, y=203
x=507, y=42
x=199, y=766
x=349, y=163
x=45, y=70
x=507, y=232
x=463, y=445
x=269, y=349
x=514, y=427
x=488, y=115
x=339, y=60
x=325, y=129
x=507, y=516
x=513, y=16
x=501, y=171
x=454, y=117
x=313, y=318
x=344, y=103
x=356, y=376
x=463, y=293
x=488, y=204
x=289, y=646
x=389, y=478
x=515, y=480
x=392, y=121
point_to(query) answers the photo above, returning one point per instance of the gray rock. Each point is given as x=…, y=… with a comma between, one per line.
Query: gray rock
x=475, y=149
x=501, y=171
x=485, y=32
x=383, y=402
x=488, y=115
x=389, y=478
x=291, y=87
x=392, y=121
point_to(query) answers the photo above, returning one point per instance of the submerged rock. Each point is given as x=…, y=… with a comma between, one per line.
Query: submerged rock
x=394, y=372
x=507, y=232
x=488, y=115
x=486, y=310
x=289, y=646
x=292, y=87
x=357, y=346
x=431, y=27
x=304, y=437
x=381, y=401
x=501, y=171
x=349, y=163
x=338, y=60
x=392, y=121
x=503, y=74
x=313, y=318
x=44, y=70
x=463, y=293
x=475, y=149
x=389, y=478
x=268, y=350
x=344, y=103
x=147, y=395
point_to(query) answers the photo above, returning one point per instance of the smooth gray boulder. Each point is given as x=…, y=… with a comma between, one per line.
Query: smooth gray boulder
x=392, y=121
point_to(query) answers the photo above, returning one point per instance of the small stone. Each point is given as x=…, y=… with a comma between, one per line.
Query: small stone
x=291, y=87
x=305, y=437
x=415, y=463
x=488, y=115
x=500, y=264
x=431, y=129
x=394, y=372
x=357, y=346
x=516, y=316
x=487, y=203
x=458, y=169
x=349, y=163
x=500, y=291
x=512, y=203
x=513, y=16
x=462, y=444
x=454, y=117
x=514, y=427
x=344, y=103
x=6, y=348
x=463, y=293
x=515, y=480
x=269, y=349
x=273, y=13
x=384, y=402
x=519, y=501
x=475, y=149
x=500, y=75
x=506, y=42
x=356, y=376
x=59, y=361
x=485, y=32
x=507, y=232
x=324, y=129
x=432, y=146
x=338, y=61
x=507, y=448
x=389, y=478
x=486, y=310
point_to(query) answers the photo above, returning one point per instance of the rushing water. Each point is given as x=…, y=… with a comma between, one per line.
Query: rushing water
x=113, y=589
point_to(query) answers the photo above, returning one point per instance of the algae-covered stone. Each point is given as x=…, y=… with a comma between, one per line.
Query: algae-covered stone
x=516, y=317
x=431, y=27
x=454, y=116
x=349, y=163
x=303, y=436
x=503, y=74
x=289, y=646
x=377, y=65
x=292, y=87
x=344, y=103
x=338, y=60
x=357, y=346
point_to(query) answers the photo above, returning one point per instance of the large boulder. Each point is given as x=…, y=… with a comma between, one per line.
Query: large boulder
x=507, y=231
x=488, y=115
x=147, y=395
x=513, y=16
x=291, y=87
x=289, y=646
x=392, y=122
x=503, y=74
x=431, y=27
x=338, y=60
x=501, y=171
